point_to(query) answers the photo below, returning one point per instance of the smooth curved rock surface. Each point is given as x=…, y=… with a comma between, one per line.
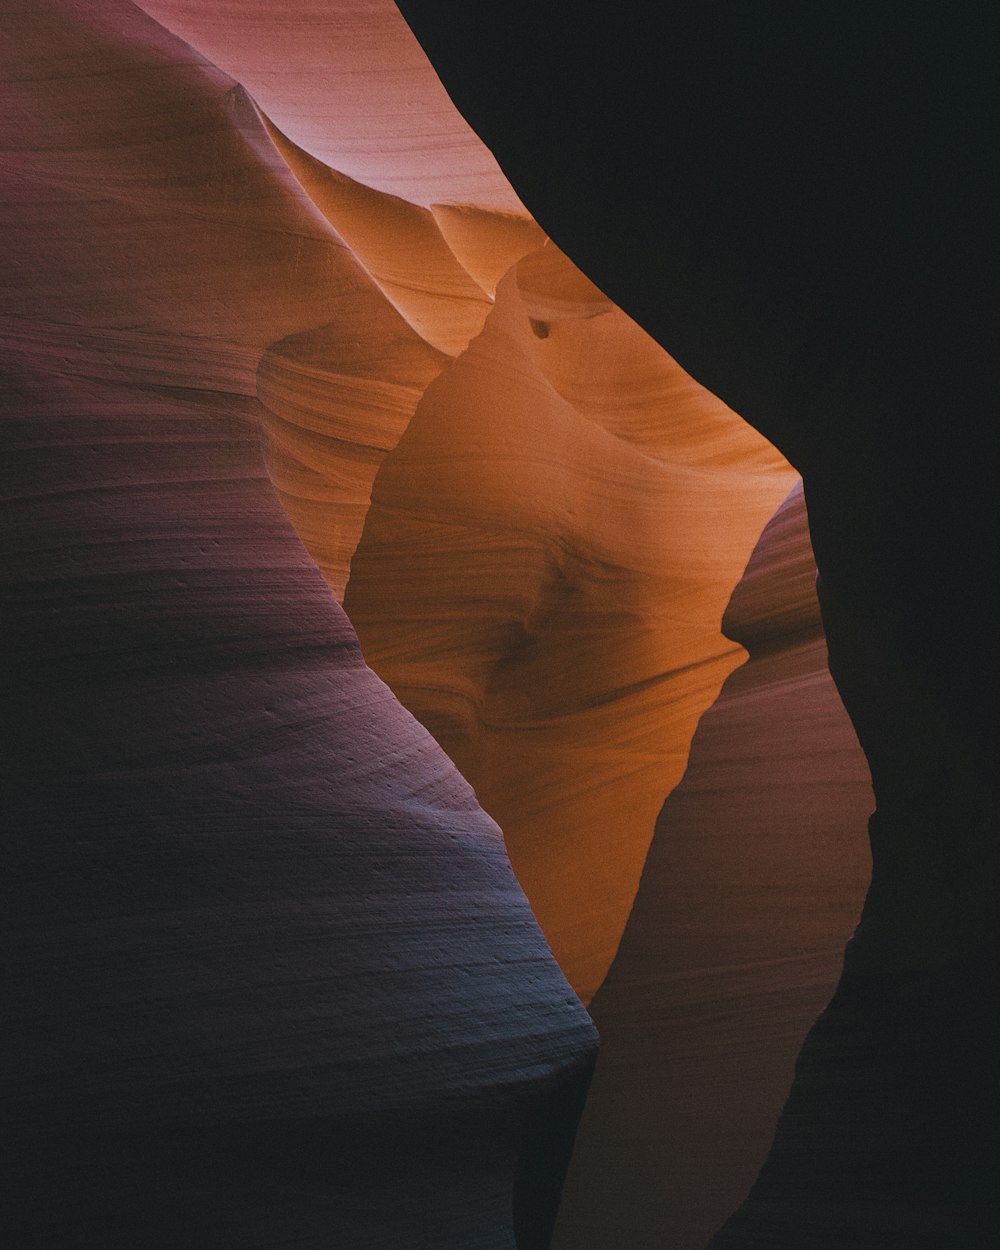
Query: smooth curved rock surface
x=352, y=85
x=275, y=981
x=400, y=245
x=334, y=403
x=801, y=208
x=754, y=882
x=568, y=683
x=542, y=574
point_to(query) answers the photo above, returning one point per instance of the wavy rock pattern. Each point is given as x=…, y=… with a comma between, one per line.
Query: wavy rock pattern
x=543, y=571
x=277, y=983
x=400, y=245
x=802, y=209
x=335, y=402
x=568, y=682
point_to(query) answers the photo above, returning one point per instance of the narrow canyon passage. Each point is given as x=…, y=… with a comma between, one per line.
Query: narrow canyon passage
x=280, y=335
x=801, y=208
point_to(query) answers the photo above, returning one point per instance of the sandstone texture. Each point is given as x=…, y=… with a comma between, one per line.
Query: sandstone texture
x=801, y=208
x=754, y=882
x=272, y=979
x=411, y=626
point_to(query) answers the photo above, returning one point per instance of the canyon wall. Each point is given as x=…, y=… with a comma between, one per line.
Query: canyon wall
x=800, y=208
x=542, y=575
x=270, y=979
x=754, y=882
x=280, y=335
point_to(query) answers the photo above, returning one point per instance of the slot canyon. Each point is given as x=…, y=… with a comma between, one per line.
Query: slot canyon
x=444, y=808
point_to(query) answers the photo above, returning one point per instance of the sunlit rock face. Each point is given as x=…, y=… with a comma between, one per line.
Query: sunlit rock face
x=802, y=210
x=541, y=579
x=554, y=541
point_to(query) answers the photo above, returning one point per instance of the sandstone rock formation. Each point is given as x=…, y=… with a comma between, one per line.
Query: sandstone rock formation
x=754, y=882
x=279, y=333
x=541, y=579
x=800, y=206
x=275, y=982
x=560, y=643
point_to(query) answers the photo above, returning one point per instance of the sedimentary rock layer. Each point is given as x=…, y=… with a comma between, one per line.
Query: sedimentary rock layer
x=542, y=574
x=276, y=981
x=555, y=540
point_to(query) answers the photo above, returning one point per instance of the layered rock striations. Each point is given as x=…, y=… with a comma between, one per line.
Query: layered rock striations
x=555, y=540
x=548, y=555
x=275, y=981
x=279, y=333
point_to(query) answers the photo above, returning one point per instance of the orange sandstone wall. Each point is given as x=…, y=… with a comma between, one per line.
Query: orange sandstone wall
x=541, y=579
x=554, y=541
x=274, y=255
